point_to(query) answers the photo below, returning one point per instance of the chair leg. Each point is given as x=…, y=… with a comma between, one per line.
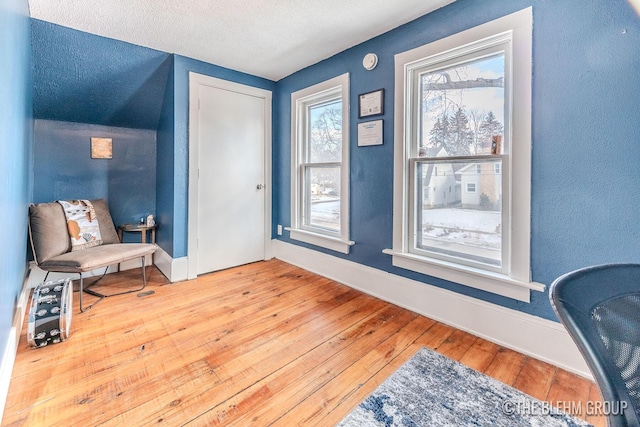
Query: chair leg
x=102, y=296
x=82, y=290
x=144, y=274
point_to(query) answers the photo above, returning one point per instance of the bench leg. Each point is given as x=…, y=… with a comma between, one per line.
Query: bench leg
x=102, y=296
x=82, y=290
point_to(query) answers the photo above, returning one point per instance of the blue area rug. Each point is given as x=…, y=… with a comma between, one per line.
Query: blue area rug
x=433, y=390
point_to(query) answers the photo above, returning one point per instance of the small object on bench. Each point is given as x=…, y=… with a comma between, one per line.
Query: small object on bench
x=50, y=313
x=52, y=250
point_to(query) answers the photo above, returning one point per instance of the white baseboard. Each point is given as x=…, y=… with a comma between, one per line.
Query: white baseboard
x=531, y=335
x=174, y=269
x=9, y=356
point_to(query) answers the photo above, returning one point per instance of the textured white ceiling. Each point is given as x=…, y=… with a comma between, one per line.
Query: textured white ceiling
x=266, y=38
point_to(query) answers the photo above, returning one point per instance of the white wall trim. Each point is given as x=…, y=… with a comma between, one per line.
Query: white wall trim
x=11, y=349
x=174, y=269
x=531, y=335
x=324, y=241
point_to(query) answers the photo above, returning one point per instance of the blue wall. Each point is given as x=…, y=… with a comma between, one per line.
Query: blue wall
x=15, y=161
x=586, y=143
x=87, y=85
x=84, y=78
x=164, y=167
x=65, y=169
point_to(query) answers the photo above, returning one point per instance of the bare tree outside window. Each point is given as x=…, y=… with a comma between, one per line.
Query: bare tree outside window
x=323, y=178
x=463, y=106
x=326, y=133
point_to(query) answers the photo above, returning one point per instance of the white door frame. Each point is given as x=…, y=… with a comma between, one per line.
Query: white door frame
x=195, y=81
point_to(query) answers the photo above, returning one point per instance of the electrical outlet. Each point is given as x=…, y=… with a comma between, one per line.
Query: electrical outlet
x=279, y=230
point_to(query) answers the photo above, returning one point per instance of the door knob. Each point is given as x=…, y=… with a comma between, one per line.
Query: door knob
x=260, y=186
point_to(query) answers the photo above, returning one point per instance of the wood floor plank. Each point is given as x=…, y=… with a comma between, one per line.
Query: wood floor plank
x=535, y=378
x=480, y=355
x=569, y=393
x=238, y=367
x=349, y=401
x=190, y=341
x=505, y=366
x=457, y=344
x=296, y=381
x=192, y=358
x=113, y=323
x=436, y=335
x=314, y=409
x=266, y=343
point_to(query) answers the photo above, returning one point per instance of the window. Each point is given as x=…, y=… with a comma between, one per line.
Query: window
x=463, y=108
x=320, y=165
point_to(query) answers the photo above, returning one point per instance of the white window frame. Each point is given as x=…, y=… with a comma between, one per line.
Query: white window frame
x=300, y=101
x=515, y=280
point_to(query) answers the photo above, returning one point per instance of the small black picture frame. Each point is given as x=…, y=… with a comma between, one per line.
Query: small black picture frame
x=371, y=103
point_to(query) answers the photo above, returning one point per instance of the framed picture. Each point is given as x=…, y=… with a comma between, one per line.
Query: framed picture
x=101, y=148
x=370, y=133
x=371, y=103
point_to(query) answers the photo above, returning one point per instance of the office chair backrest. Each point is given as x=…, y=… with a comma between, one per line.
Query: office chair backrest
x=600, y=307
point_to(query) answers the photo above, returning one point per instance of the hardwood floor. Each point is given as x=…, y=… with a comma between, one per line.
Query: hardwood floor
x=262, y=344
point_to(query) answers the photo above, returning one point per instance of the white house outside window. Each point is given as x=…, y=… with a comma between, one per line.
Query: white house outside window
x=320, y=165
x=463, y=108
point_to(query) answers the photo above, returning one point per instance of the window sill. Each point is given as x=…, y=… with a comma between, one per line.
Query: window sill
x=327, y=242
x=475, y=278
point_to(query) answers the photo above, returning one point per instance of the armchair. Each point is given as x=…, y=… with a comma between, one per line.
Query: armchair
x=51, y=246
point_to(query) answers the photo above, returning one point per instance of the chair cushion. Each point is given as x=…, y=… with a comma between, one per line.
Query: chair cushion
x=48, y=229
x=107, y=229
x=97, y=257
x=82, y=223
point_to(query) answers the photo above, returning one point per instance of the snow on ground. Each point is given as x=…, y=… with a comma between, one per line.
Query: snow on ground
x=325, y=211
x=463, y=226
x=452, y=225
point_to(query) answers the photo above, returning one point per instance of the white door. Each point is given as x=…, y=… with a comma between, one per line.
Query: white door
x=231, y=164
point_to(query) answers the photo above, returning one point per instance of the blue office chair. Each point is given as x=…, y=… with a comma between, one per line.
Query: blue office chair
x=600, y=307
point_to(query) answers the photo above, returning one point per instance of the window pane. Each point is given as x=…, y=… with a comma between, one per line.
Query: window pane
x=325, y=132
x=462, y=108
x=466, y=223
x=322, y=197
